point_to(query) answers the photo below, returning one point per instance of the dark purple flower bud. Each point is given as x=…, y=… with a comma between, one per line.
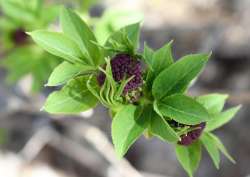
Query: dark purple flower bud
x=123, y=67
x=19, y=36
x=193, y=135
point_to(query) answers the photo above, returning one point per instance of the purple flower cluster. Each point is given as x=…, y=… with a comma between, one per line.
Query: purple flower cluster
x=123, y=67
x=193, y=135
x=19, y=36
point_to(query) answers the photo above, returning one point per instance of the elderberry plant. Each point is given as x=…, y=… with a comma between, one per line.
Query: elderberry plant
x=20, y=56
x=146, y=93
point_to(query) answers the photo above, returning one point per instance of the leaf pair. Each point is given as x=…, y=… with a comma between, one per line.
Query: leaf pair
x=125, y=40
x=74, y=44
x=214, y=104
x=131, y=121
x=113, y=20
x=189, y=157
x=77, y=45
x=128, y=125
x=157, y=61
x=168, y=81
x=81, y=57
x=213, y=145
x=169, y=85
x=176, y=78
x=75, y=28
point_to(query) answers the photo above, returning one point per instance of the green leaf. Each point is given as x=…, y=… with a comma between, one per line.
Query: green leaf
x=35, y=5
x=41, y=69
x=64, y=72
x=18, y=57
x=162, y=58
x=133, y=32
x=58, y=44
x=113, y=20
x=183, y=109
x=127, y=126
x=49, y=14
x=93, y=86
x=148, y=56
x=78, y=30
x=34, y=61
x=189, y=156
x=125, y=39
x=17, y=11
x=214, y=103
x=177, y=77
x=7, y=25
x=160, y=128
x=73, y=98
x=157, y=62
x=221, y=147
x=211, y=147
x=220, y=119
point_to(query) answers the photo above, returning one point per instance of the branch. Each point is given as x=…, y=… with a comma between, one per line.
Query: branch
x=48, y=136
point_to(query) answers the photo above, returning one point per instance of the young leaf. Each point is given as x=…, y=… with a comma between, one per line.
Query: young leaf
x=74, y=27
x=133, y=32
x=58, y=44
x=189, y=157
x=220, y=119
x=162, y=58
x=113, y=20
x=157, y=62
x=214, y=103
x=126, y=38
x=160, y=128
x=221, y=147
x=176, y=77
x=73, y=98
x=127, y=125
x=183, y=109
x=64, y=72
x=148, y=56
x=211, y=147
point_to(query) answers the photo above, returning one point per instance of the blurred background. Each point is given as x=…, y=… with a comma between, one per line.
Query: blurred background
x=35, y=144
